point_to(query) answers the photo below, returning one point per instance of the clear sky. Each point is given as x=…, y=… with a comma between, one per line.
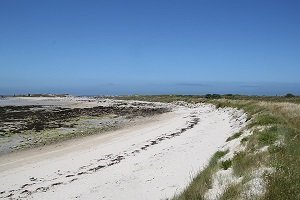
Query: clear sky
x=149, y=47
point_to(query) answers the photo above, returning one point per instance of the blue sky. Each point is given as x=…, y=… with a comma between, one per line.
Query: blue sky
x=150, y=47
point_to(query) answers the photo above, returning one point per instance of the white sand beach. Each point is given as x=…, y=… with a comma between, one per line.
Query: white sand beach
x=154, y=159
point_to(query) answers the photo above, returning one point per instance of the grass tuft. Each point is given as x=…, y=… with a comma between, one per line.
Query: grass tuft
x=234, y=136
x=219, y=154
x=226, y=164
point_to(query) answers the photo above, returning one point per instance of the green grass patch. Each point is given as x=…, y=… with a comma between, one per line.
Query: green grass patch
x=226, y=164
x=268, y=136
x=240, y=162
x=267, y=119
x=284, y=183
x=219, y=154
x=244, y=162
x=234, y=136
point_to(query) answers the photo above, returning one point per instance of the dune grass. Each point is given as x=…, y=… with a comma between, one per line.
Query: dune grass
x=234, y=136
x=282, y=124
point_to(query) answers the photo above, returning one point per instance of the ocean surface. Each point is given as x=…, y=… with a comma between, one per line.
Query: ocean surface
x=182, y=88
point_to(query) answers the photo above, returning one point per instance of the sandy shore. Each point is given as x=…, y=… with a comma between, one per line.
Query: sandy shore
x=30, y=122
x=152, y=160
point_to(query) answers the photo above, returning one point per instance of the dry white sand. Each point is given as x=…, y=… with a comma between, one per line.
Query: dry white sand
x=153, y=160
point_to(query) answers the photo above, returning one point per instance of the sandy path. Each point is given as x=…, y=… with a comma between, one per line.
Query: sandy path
x=153, y=160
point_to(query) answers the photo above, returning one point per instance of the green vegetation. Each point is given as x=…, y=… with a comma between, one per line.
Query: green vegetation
x=267, y=119
x=244, y=162
x=269, y=135
x=226, y=164
x=282, y=122
x=213, y=96
x=275, y=122
x=289, y=95
x=201, y=98
x=234, y=136
x=219, y=154
x=244, y=140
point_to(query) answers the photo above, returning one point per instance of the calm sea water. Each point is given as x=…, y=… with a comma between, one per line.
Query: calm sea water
x=169, y=88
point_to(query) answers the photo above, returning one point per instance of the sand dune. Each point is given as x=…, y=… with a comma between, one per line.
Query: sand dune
x=152, y=160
